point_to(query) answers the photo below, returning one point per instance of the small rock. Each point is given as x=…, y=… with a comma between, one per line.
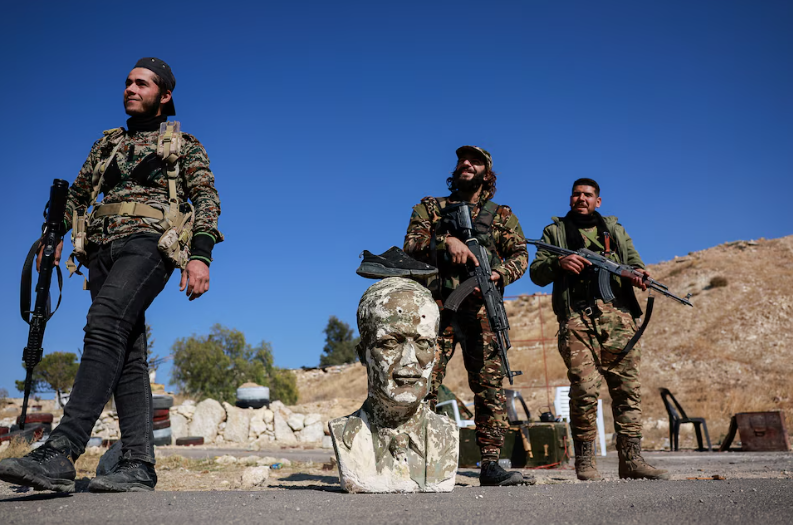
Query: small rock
x=296, y=422
x=255, y=477
x=225, y=460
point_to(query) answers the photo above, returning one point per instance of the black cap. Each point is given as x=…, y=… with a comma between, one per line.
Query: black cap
x=162, y=70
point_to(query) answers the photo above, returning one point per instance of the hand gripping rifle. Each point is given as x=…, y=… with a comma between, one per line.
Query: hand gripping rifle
x=604, y=267
x=479, y=277
x=38, y=317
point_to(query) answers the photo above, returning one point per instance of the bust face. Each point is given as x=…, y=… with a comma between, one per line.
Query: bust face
x=401, y=336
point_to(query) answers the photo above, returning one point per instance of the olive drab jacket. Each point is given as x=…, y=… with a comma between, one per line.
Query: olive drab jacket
x=505, y=242
x=545, y=268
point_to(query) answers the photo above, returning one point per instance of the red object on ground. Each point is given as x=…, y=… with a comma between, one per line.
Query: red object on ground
x=159, y=425
x=190, y=440
x=36, y=417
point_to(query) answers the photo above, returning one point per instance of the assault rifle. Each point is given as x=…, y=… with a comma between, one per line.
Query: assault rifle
x=605, y=267
x=37, y=319
x=479, y=277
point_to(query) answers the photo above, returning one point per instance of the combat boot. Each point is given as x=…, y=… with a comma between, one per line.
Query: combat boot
x=49, y=467
x=585, y=466
x=632, y=464
x=493, y=475
x=130, y=475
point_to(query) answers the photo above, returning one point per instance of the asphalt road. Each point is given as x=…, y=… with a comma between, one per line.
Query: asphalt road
x=765, y=501
x=758, y=489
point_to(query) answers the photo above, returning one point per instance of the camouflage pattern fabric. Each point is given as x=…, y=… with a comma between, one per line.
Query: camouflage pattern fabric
x=510, y=262
x=195, y=182
x=591, y=350
x=480, y=354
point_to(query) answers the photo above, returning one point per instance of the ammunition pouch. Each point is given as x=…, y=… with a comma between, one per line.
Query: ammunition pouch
x=175, y=241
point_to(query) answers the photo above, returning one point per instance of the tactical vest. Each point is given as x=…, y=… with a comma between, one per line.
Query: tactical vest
x=175, y=220
x=450, y=274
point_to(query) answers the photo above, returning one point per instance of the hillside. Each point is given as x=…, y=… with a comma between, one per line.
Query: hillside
x=728, y=354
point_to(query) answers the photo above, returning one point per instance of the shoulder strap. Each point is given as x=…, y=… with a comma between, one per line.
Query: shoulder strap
x=101, y=167
x=169, y=146
x=484, y=221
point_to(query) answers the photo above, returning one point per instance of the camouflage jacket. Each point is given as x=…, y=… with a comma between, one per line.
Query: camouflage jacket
x=195, y=182
x=545, y=268
x=510, y=261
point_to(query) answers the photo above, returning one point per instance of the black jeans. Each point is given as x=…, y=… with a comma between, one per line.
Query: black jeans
x=124, y=278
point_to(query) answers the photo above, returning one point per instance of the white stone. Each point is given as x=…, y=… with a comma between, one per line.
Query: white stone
x=257, y=425
x=279, y=407
x=249, y=460
x=312, y=433
x=266, y=460
x=295, y=422
x=267, y=415
x=283, y=433
x=327, y=442
x=311, y=419
x=263, y=441
x=225, y=460
x=255, y=477
x=179, y=426
x=206, y=419
x=185, y=410
x=238, y=422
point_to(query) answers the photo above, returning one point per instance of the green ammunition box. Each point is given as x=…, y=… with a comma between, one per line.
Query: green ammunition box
x=548, y=445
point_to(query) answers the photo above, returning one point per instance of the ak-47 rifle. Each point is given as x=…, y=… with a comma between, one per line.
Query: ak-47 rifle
x=604, y=268
x=479, y=277
x=37, y=318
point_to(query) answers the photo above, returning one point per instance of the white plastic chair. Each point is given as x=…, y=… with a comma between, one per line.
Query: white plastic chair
x=561, y=404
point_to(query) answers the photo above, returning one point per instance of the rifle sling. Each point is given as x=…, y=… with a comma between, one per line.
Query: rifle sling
x=636, y=336
x=27, y=281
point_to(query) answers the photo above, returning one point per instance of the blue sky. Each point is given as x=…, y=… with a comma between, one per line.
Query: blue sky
x=325, y=122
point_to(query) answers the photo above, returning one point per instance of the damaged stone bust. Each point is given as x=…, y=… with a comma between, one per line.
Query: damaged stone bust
x=394, y=442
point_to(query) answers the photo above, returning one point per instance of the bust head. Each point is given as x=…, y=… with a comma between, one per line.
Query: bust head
x=398, y=322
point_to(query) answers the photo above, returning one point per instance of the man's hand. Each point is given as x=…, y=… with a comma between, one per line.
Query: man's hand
x=58, y=250
x=459, y=252
x=637, y=279
x=196, y=278
x=573, y=263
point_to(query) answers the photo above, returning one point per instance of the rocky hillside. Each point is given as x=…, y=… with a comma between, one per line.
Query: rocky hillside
x=730, y=353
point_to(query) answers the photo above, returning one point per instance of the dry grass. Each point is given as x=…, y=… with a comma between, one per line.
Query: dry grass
x=16, y=447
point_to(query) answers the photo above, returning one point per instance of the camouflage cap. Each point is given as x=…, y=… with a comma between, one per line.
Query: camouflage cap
x=481, y=152
x=162, y=70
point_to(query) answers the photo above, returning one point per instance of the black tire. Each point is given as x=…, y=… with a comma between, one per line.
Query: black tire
x=255, y=403
x=190, y=441
x=160, y=402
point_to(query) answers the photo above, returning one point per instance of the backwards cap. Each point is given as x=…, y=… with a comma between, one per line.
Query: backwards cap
x=162, y=70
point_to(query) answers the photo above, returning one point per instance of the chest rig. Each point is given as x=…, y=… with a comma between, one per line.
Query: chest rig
x=482, y=230
x=174, y=220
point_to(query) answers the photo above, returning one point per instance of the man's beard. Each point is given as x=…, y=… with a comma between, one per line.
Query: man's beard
x=149, y=110
x=468, y=185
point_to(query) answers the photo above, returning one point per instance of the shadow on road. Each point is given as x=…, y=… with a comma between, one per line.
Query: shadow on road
x=323, y=483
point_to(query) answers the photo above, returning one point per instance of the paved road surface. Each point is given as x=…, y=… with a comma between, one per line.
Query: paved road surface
x=758, y=489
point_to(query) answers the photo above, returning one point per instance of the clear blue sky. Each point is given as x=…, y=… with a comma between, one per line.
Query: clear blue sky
x=326, y=121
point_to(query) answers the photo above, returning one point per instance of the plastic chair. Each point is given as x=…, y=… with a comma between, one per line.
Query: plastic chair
x=677, y=417
x=512, y=408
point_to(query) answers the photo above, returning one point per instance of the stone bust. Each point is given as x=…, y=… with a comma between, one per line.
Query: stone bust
x=394, y=442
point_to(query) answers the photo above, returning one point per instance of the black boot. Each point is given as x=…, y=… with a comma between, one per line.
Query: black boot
x=392, y=263
x=131, y=475
x=492, y=475
x=49, y=467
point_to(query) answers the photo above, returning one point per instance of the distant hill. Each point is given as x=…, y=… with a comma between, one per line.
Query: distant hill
x=730, y=353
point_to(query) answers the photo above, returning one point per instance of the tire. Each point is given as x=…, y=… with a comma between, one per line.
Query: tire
x=159, y=425
x=161, y=413
x=162, y=436
x=4, y=430
x=190, y=441
x=252, y=404
x=36, y=417
x=160, y=402
x=253, y=393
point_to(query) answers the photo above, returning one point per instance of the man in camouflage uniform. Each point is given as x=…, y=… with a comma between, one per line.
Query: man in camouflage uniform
x=126, y=272
x=593, y=334
x=430, y=240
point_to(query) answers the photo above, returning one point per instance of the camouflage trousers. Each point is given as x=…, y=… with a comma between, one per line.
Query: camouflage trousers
x=483, y=364
x=591, y=350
